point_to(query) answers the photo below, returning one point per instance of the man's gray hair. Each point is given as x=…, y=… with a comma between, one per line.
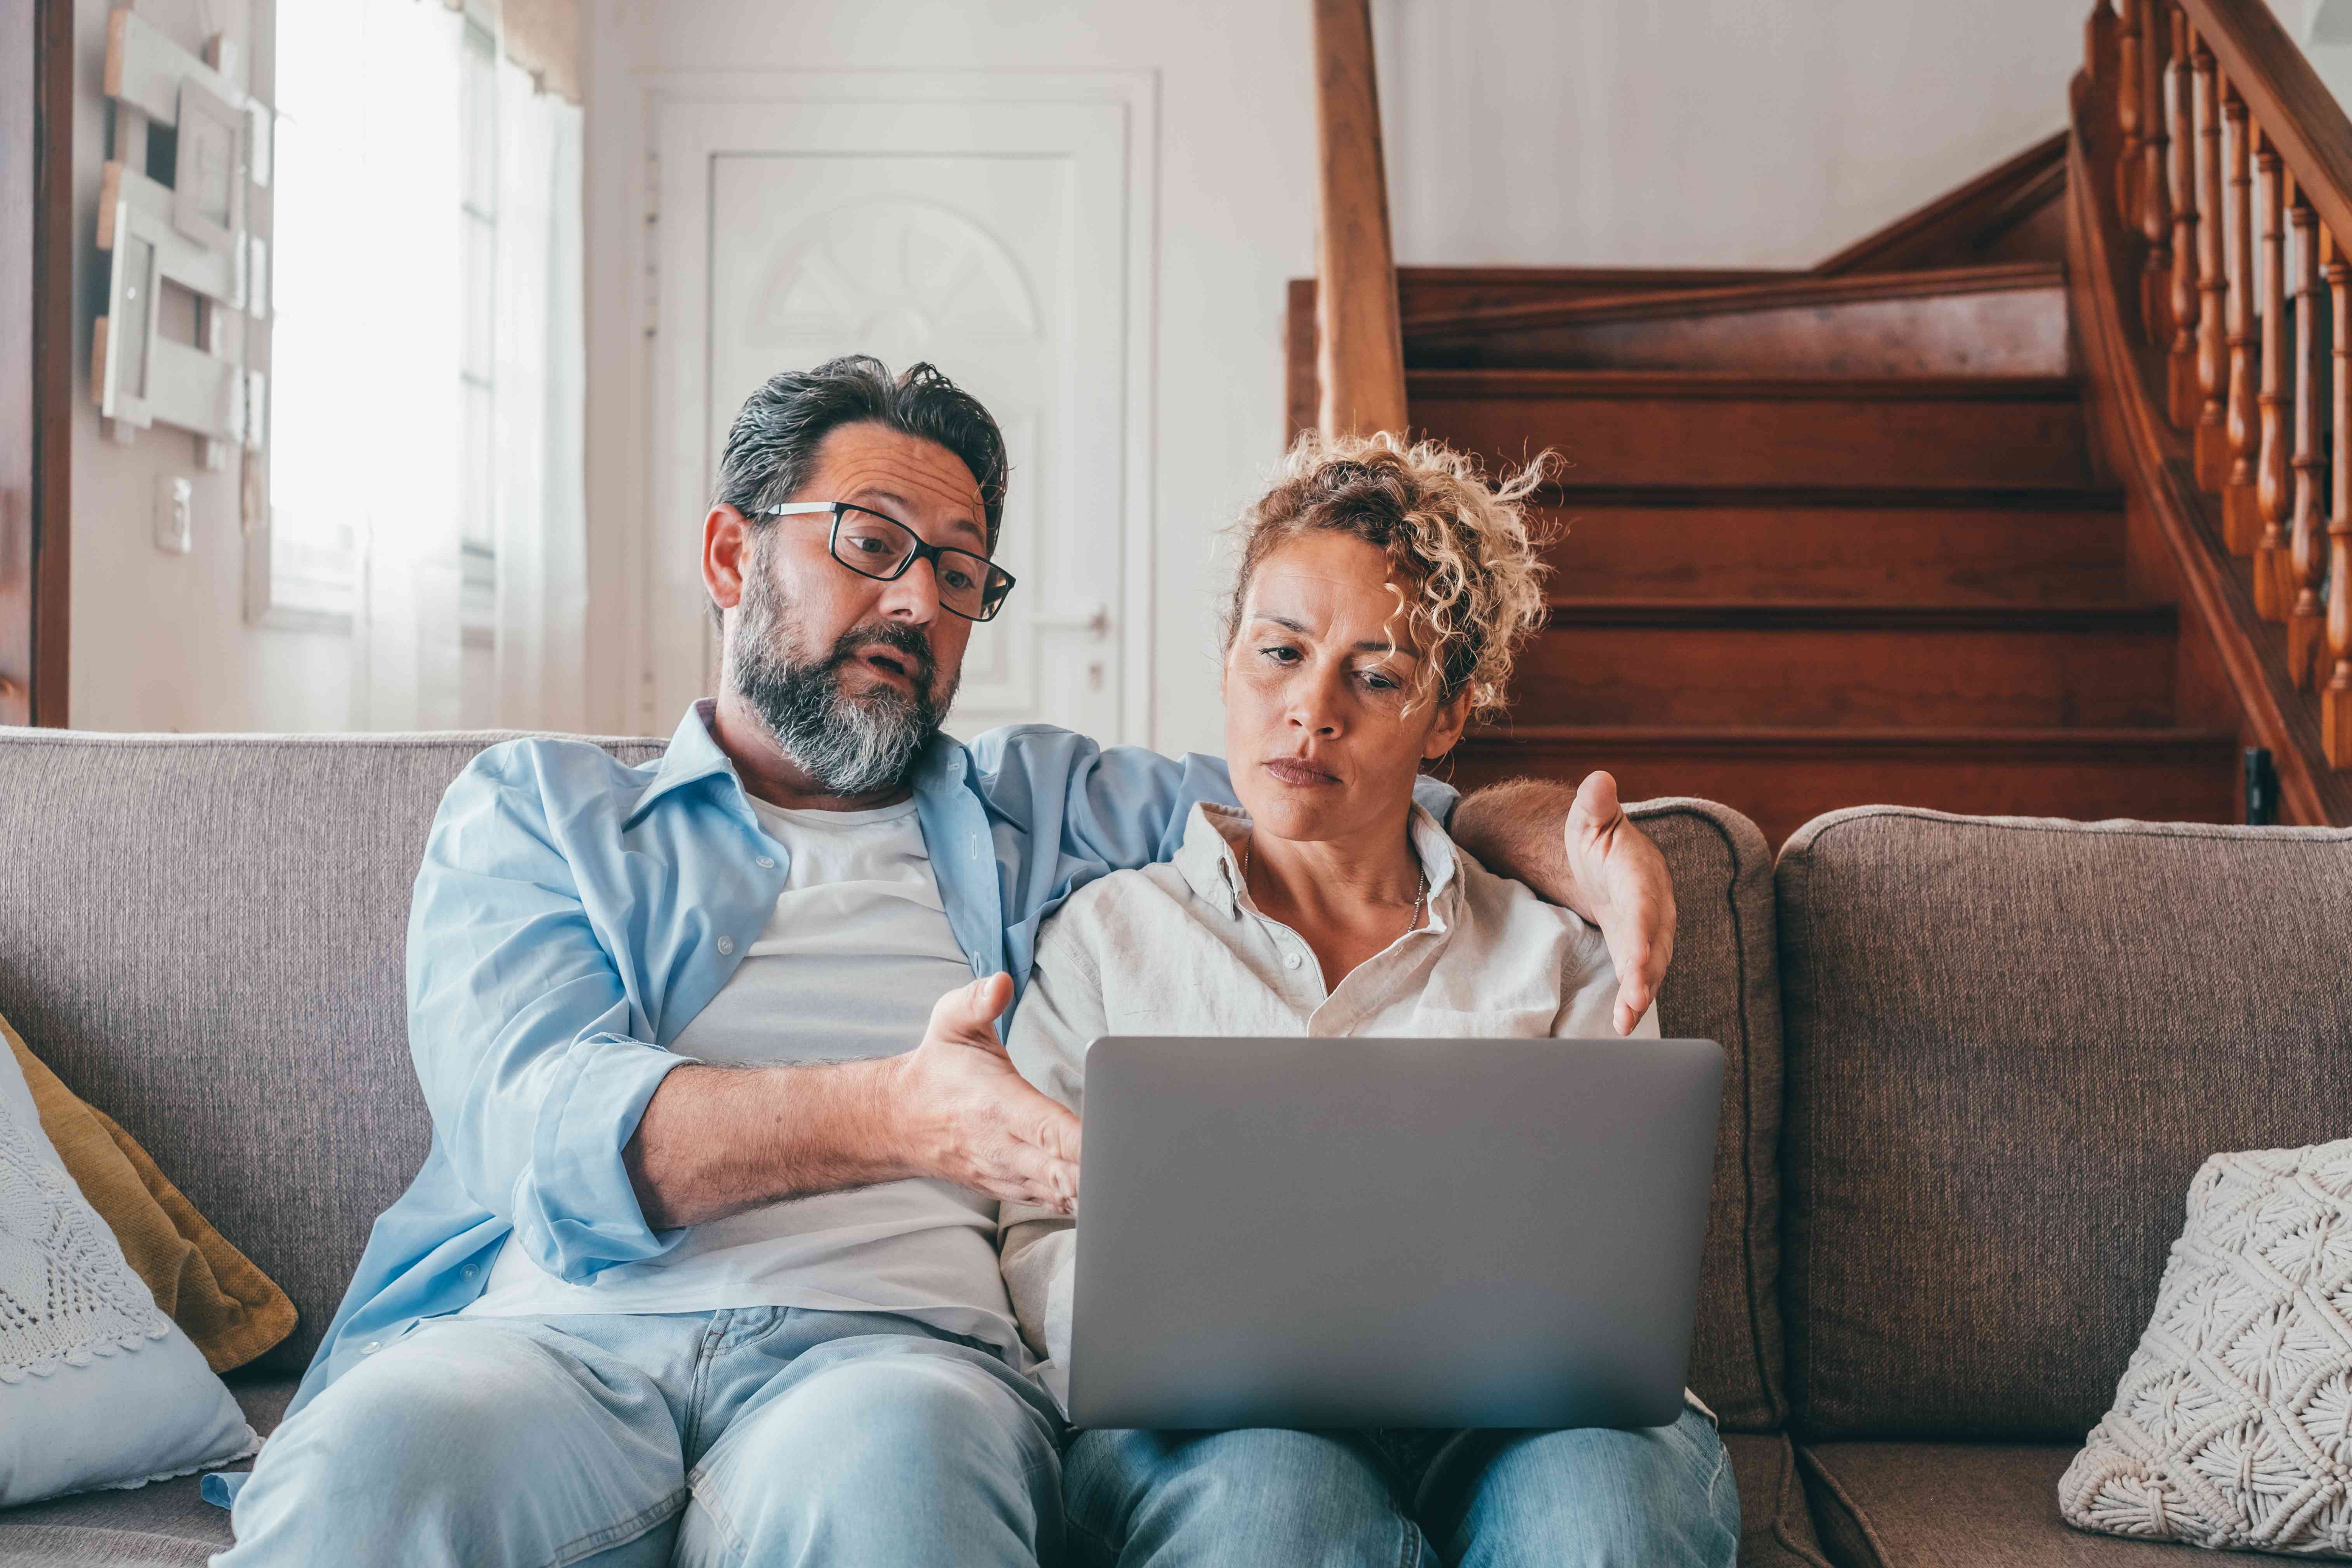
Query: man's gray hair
x=776, y=434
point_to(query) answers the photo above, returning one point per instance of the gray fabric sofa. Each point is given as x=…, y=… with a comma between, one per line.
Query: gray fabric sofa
x=1973, y=1064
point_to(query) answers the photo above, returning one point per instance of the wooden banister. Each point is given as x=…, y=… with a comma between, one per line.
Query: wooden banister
x=2286, y=98
x=2209, y=228
x=1359, y=352
x=2210, y=210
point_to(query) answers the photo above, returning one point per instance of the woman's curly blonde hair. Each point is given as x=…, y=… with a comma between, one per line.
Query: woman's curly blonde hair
x=1466, y=557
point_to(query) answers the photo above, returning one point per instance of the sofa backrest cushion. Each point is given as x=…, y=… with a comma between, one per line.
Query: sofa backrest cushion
x=204, y=937
x=1724, y=986
x=2011, y=1043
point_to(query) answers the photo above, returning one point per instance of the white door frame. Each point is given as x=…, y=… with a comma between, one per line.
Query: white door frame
x=677, y=176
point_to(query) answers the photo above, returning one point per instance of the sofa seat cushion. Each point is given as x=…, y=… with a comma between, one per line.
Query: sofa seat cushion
x=161, y=1523
x=1958, y=1505
x=1776, y=1529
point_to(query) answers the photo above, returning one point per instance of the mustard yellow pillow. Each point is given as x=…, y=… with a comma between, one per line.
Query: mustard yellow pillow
x=229, y=1308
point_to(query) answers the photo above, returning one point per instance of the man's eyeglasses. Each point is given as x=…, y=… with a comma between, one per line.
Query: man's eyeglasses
x=882, y=548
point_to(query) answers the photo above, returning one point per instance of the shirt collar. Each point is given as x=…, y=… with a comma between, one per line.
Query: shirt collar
x=1209, y=865
x=693, y=755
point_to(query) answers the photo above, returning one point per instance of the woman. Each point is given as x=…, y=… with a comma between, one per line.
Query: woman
x=1381, y=596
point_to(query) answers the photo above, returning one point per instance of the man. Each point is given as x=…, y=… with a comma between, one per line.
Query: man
x=701, y=1266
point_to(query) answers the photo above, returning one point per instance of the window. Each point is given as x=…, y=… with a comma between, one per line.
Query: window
x=372, y=287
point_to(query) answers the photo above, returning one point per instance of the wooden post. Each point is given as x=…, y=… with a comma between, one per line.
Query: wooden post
x=2307, y=621
x=2271, y=496
x=2099, y=44
x=2242, y=524
x=2304, y=562
x=2155, y=197
x=2187, y=296
x=2335, y=693
x=1360, y=351
x=2127, y=91
x=2214, y=284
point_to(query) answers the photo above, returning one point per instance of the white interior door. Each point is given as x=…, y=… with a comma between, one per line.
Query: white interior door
x=992, y=237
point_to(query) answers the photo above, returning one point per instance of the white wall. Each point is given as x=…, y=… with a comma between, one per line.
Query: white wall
x=1762, y=133
x=1700, y=132
x=159, y=641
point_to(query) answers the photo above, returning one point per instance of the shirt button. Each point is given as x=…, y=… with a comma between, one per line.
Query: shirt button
x=471, y=1269
x=766, y=862
x=371, y=1347
x=726, y=945
x=1290, y=960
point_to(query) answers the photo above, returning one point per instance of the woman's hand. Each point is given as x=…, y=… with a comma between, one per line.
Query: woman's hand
x=965, y=1113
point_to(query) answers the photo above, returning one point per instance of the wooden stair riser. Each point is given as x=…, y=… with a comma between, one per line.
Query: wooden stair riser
x=1784, y=788
x=1831, y=677
x=1924, y=555
x=2006, y=333
x=1636, y=428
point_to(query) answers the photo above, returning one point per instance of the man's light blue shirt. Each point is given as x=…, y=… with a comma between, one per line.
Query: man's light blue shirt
x=572, y=914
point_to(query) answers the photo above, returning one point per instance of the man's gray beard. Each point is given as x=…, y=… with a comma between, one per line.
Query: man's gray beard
x=849, y=744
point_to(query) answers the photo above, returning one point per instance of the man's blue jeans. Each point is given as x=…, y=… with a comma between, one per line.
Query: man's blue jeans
x=762, y=1436
x=1661, y=1498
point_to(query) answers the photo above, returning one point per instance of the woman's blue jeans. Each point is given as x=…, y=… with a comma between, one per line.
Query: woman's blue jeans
x=1658, y=1498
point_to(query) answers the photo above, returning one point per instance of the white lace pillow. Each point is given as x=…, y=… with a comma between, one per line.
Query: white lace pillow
x=2232, y=1424
x=97, y=1387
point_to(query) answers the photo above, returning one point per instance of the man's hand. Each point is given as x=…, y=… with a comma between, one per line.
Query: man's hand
x=1625, y=879
x=967, y=1115
x=1583, y=852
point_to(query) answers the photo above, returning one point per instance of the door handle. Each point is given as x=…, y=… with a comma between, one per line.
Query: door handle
x=1098, y=623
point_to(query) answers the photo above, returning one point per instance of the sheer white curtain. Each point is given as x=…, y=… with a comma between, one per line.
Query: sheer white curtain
x=365, y=434
x=541, y=605
x=429, y=357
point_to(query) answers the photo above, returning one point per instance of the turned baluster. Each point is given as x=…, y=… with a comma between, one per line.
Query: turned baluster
x=2212, y=282
x=2127, y=87
x=2271, y=495
x=2242, y=524
x=2304, y=562
x=2155, y=198
x=2187, y=292
x=2336, y=695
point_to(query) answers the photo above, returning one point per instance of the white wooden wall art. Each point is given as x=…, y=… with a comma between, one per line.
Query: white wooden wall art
x=193, y=234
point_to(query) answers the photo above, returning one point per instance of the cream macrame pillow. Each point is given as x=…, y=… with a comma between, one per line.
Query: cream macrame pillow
x=2232, y=1424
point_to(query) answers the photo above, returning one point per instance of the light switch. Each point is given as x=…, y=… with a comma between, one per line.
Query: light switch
x=175, y=504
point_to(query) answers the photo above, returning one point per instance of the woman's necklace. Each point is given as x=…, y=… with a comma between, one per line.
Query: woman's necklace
x=1420, y=899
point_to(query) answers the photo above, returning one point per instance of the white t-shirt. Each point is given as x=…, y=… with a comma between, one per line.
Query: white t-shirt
x=854, y=954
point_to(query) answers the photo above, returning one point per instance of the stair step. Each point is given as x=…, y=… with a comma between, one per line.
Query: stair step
x=1436, y=291
x=1966, y=320
x=1784, y=778
x=1841, y=665
x=1704, y=427
x=2065, y=547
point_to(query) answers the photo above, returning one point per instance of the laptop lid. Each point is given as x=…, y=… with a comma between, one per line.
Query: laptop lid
x=1344, y=1233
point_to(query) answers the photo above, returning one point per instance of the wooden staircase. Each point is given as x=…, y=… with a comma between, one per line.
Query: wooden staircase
x=1824, y=538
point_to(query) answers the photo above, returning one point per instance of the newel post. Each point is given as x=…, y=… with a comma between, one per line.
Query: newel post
x=1359, y=349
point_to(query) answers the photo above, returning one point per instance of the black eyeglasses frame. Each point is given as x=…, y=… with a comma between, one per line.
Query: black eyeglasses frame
x=996, y=582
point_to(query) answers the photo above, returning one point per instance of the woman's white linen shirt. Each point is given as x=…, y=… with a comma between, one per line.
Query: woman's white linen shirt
x=1178, y=948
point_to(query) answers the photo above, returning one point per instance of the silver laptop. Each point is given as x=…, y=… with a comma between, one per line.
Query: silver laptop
x=1339, y=1233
